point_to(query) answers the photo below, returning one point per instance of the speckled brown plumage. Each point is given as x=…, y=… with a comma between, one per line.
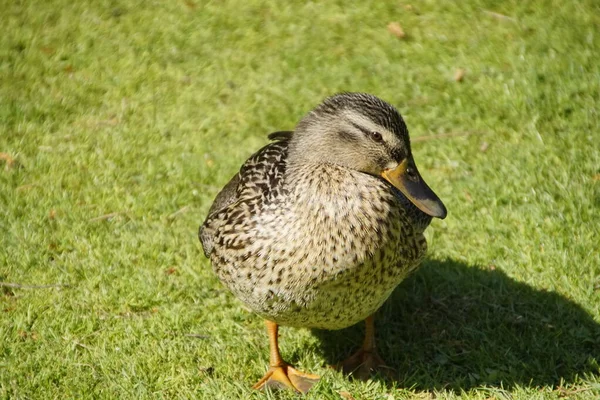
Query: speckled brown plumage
x=308, y=233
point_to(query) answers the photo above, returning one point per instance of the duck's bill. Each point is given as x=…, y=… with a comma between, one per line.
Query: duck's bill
x=407, y=179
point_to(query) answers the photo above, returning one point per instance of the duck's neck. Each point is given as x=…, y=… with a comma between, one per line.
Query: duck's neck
x=333, y=184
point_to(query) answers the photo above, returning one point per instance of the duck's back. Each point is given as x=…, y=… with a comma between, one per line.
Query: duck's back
x=259, y=178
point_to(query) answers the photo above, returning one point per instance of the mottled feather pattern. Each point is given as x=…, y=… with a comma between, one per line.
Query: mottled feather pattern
x=259, y=174
x=316, y=245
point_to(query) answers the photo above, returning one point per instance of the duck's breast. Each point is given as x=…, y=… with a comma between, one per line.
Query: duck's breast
x=326, y=254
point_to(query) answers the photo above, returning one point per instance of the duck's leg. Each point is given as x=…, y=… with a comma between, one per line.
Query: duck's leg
x=366, y=360
x=280, y=373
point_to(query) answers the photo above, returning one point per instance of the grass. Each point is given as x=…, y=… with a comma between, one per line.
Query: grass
x=120, y=121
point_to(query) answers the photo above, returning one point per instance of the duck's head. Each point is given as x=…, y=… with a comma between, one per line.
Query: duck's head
x=362, y=132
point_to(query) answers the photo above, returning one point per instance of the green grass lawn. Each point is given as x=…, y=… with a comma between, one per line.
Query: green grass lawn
x=121, y=120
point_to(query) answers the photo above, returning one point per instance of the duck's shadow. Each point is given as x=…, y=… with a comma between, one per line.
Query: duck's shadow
x=456, y=326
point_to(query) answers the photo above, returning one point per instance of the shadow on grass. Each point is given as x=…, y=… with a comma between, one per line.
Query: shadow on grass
x=457, y=327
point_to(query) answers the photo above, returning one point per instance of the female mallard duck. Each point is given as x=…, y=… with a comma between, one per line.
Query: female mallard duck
x=320, y=226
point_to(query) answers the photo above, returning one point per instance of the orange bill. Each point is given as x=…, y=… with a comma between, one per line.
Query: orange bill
x=407, y=179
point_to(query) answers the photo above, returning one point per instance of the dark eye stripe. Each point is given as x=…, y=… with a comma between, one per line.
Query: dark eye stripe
x=369, y=133
x=364, y=130
x=349, y=137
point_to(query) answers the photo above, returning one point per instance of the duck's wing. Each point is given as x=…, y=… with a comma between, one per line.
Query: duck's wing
x=227, y=195
x=260, y=176
x=251, y=171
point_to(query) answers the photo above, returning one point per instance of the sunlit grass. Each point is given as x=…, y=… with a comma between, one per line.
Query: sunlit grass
x=120, y=121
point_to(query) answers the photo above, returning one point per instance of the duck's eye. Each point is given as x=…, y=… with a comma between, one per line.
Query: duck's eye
x=376, y=136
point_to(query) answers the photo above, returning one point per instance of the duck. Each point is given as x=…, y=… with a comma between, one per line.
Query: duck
x=319, y=226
